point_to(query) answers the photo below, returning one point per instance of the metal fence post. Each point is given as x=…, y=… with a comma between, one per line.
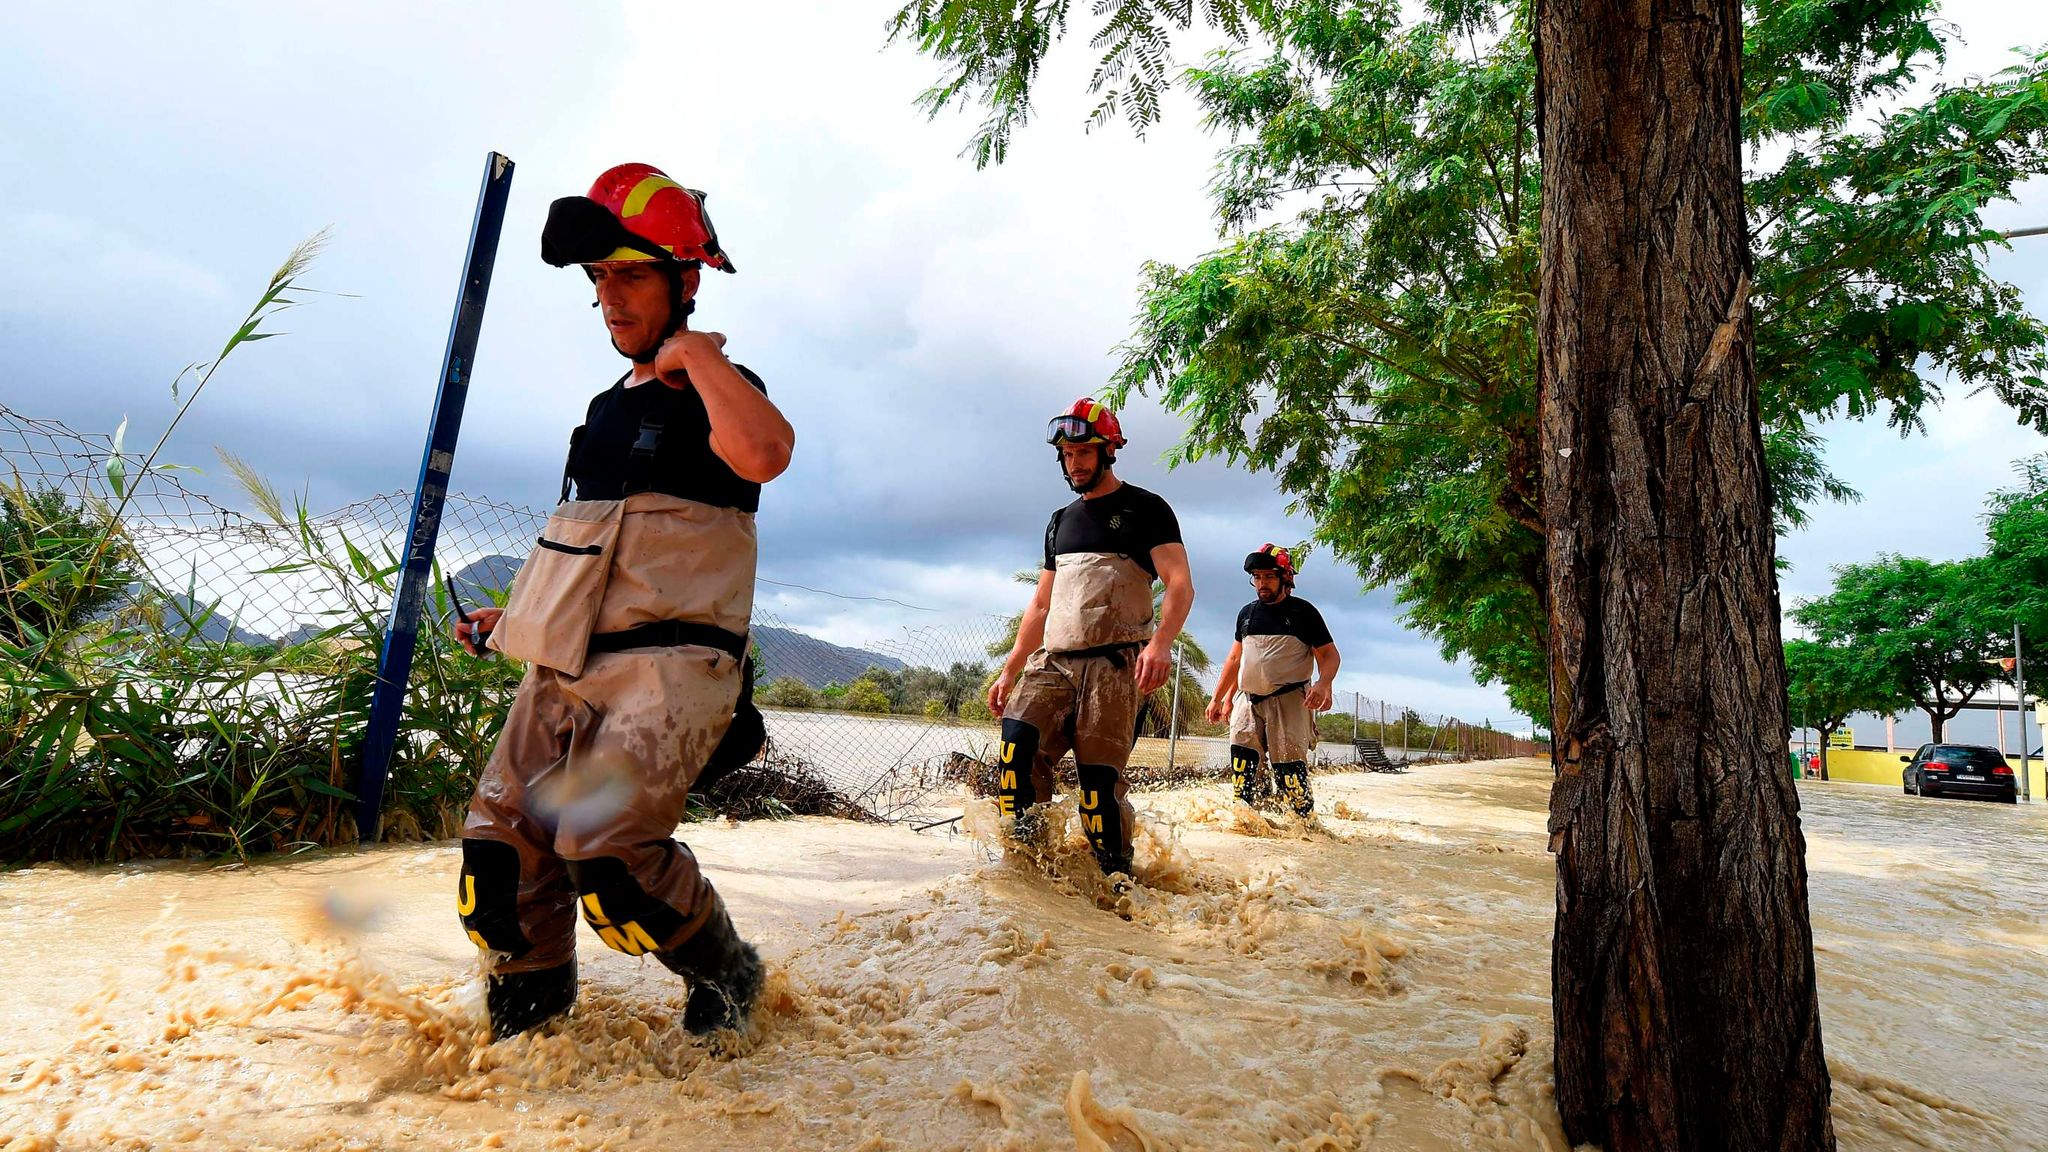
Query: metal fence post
x=1173, y=720
x=394, y=665
x=2019, y=669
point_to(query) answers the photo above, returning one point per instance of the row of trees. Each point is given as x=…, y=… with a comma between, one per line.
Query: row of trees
x=915, y=691
x=1541, y=354
x=1902, y=632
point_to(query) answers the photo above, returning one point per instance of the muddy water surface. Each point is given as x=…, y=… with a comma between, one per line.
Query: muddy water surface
x=1376, y=981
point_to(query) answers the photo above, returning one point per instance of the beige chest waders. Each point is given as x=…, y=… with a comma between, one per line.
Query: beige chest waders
x=1080, y=692
x=633, y=615
x=1270, y=716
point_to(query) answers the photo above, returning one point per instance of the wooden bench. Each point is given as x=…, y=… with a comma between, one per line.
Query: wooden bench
x=1373, y=756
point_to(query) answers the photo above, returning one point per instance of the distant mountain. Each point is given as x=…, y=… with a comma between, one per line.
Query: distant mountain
x=813, y=661
x=785, y=651
x=184, y=612
x=494, y=572
x=300, y=635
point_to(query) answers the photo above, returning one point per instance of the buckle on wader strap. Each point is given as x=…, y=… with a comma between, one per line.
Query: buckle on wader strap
x=1284, y=689
x=640, y=459
x=1117, y=654
x=671, y=634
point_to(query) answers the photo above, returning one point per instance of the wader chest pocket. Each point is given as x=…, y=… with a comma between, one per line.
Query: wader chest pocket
x=556, y=598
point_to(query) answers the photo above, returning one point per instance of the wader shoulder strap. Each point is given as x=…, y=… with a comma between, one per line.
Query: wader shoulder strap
x=640, y=459
x=569, y=465
x=1284, y=689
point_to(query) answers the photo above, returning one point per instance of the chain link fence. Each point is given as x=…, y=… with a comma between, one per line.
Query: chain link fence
x=885, y=716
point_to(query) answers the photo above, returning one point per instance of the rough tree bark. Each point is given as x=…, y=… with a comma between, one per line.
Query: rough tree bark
x=1683, y=984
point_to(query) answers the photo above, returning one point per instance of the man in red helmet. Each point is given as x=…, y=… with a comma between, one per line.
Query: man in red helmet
x=1265, y=685
x=633, y=614
x=1086, y=651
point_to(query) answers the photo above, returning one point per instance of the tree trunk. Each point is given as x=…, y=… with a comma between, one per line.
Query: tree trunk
x=1935, y=723
x=1683, y=983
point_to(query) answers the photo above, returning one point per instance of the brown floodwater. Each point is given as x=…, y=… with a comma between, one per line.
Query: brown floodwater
x=1378, y=980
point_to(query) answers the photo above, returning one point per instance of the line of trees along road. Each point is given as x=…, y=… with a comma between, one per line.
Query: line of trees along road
x=1502, y=310
x=1903, y=632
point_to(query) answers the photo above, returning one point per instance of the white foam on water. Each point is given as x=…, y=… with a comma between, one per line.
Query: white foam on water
x=1378, y=983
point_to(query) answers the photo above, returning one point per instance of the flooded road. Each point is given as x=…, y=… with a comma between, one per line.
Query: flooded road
x=1380, y=981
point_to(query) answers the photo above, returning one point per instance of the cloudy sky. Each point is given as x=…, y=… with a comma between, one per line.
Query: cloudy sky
x=917, y=319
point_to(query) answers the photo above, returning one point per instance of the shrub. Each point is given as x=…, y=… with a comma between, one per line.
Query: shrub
x=866, y=696
x=787, y=692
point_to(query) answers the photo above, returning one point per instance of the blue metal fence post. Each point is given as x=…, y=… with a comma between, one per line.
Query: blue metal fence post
x=394, y=666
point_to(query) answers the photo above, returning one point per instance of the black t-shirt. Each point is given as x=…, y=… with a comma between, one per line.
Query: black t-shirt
x=1290, y=617
x=601, y=453
x=1128, y=522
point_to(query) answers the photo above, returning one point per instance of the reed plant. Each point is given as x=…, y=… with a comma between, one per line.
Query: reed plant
x=127, y=731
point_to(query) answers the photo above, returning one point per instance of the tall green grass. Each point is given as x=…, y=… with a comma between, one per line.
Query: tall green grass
x=126, y=732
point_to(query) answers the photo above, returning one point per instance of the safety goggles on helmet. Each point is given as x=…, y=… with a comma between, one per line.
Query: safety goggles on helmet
x=1070, y=430
x=1087, y=422
x=581, y=231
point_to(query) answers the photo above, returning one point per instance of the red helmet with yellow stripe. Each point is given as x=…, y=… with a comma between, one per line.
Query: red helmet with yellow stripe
x=1087, y=422
x=634, y=212
x=1272, y=558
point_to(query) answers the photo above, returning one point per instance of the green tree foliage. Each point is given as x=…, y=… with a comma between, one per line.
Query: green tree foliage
x=1928, y=632
x=866, y=695
x=787, y=692
x=962, y=686
x=2016, y=521
x=1828, y=683
x=49, y=577
x=1372, y=342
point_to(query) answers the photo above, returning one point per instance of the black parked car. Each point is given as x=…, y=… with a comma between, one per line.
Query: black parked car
x=1960, y=770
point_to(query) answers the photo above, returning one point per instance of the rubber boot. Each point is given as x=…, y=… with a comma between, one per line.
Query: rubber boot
x=1111, y=863
x=1102, y=819
x=1014, y=790
x=521, y=1001
x=1292, y=778
x=724, y=973
x=1244, y=774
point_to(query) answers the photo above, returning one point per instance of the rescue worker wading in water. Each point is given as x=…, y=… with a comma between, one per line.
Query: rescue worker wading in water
x=1086, y=651
x=1265, y=688
x=632, y=612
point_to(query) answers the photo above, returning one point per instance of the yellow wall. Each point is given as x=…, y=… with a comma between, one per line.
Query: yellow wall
x=1860, y=767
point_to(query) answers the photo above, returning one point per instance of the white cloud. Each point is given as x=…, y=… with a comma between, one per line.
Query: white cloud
x=919, y=319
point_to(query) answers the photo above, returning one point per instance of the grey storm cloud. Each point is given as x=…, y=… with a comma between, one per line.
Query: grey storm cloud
x=919, y=320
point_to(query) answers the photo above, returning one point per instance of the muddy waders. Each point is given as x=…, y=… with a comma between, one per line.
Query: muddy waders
x=633, y=616
x=1080, y=693
x=1271, y=717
